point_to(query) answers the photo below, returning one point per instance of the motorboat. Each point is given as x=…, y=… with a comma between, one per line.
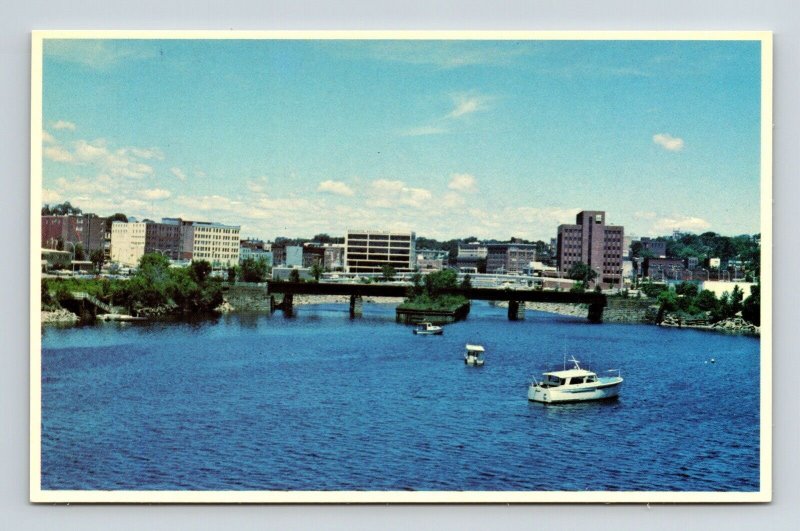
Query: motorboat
x=428, y=329
x=474, y=355
x=574, y=385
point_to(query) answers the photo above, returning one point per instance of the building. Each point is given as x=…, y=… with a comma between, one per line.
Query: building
x=294, y=255
x=664, y=268
x=70, y=231
x=254, y=249
x=432, y=259
x=127, y=242
x=509, y=257
x=163, y=238
x=369, y=251
x=469, y=254
x=656, y=248
x=333, y=258
x=215, y=243
x=313, y=254
x=593, y=243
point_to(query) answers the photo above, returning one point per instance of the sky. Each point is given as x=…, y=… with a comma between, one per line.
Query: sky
x=449, y=139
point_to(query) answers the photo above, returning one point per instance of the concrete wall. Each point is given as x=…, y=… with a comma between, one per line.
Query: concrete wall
x=247, y=298
x=630, y=311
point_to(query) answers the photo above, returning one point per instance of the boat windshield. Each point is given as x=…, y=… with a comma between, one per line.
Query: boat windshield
x=554, y=380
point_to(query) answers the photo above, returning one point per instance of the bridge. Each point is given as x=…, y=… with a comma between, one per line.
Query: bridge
x=516, y=298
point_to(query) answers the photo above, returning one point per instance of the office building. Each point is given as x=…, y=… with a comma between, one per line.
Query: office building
x=369, y=251
x=509, y=257
x=592, y=242
x=70, y=231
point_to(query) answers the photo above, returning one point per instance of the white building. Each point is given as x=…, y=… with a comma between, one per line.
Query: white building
x=214, y=242
x=368, y=251
x=128, y=242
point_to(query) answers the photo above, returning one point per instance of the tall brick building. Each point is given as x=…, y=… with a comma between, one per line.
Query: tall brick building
x=86, y=230
x=594, y=243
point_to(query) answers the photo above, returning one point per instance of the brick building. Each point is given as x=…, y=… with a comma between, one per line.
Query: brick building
x=86, y=230
x=509, y=257
x=593, y=243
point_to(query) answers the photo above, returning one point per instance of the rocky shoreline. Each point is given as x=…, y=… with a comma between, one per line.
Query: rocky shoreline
x=573, y=310
x=302, y=300
x=59, y=316
x=733, y=325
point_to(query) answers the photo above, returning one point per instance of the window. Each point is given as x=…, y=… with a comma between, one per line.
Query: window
x=576, y=380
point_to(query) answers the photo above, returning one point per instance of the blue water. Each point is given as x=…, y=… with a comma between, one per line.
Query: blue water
x=322, y=402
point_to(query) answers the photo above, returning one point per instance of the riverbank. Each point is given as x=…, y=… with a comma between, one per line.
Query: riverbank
x=60, y=316
x=303, y=300
x=734, y=325
x=573, y=310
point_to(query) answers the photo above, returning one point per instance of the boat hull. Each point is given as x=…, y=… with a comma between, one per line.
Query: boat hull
x=428, y=333
x=606, y=388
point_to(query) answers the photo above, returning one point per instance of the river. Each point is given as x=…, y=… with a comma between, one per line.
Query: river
x=322, y=402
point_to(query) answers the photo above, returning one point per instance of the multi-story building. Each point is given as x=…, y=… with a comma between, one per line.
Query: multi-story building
x=333, y=259
x=163, y=238
x=509, y=257
x=432, y=259
x=86, y=230
x=294, y=255
x=368, y=251
x=469, y=254
x=593, y=243
x=313, y=254
x=655, y=248
x=254, y=249
x=214, y=242
x=664, y=268
x=128, y=242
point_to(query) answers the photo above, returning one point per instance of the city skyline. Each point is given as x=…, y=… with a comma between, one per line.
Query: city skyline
x=491, y=139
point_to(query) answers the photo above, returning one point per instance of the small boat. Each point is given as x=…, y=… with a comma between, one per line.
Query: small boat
x=474, y=355
x=574, y=385
x=428, y=329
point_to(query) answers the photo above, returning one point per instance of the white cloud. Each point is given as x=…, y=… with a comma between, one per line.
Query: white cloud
x=63, y=124
x=147, y=153
x=683, y=223
x=47, y=138
x=668, y=142
x=386, y=193
x=50, y=196
x=444, y=54
x=465, y=104
x=463, y=182
x=156, y=193
x=123, y=162
x=58, y=154
x=335, y=187
x=424, y=130
x=177, y=172
x=453, y=200
x=644, y=214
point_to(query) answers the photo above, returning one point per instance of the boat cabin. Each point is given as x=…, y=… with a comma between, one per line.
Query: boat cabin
x=571, y=377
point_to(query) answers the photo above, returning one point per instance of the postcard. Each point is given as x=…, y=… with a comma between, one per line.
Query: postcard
x=403, y=267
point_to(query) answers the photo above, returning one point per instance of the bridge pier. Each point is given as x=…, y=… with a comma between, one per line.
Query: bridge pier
x=595, y=313
x=356, y=306
x=516, y=310
x=287, y=304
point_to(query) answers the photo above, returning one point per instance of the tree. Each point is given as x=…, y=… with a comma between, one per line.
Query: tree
x=751, y=309
x=578, y=287
x=688, y=289
x=316, y=271
x=706, y=301
x=233, y=271
x=467, y=282
x=736, y=300
x=199, y=270
x=437, y=281
x=481, y=265
x=388, y=272
x=253, y=270
x=582, y=272
x=294, y=276
x=79, y=253
x=98, y=258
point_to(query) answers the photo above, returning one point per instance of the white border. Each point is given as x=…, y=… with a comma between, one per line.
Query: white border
x=336, y=497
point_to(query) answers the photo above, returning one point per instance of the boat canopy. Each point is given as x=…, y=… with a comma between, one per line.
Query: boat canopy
x=475, y=348
x=570, y=373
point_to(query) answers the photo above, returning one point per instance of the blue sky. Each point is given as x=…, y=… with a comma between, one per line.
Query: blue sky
x=446, y=138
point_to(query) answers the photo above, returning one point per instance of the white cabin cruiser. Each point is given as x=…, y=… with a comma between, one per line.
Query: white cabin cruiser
x=574, y=385
x=428, y=329
x=474, y=355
